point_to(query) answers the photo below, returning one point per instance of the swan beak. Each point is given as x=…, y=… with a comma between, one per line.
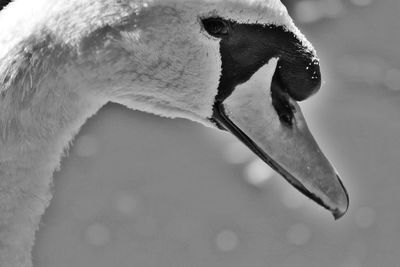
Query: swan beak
x=272, y=125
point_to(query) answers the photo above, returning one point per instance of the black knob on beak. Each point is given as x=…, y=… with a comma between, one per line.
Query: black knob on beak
x=299, y=74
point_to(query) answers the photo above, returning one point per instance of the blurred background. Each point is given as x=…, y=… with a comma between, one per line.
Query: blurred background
x=138, y=190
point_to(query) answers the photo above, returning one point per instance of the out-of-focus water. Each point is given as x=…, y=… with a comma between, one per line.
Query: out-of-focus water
x=138, y=190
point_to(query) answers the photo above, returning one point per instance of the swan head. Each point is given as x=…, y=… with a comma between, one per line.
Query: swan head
x=238, y=65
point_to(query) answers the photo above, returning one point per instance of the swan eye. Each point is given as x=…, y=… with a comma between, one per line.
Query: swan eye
x=216, y=27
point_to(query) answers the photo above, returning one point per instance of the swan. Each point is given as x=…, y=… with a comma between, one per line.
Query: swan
x=235, y=65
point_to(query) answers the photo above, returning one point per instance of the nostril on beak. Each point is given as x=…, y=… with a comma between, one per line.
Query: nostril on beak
x=301, y=77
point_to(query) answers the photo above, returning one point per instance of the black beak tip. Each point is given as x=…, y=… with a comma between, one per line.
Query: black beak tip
x=341, y=210
x=338, y=213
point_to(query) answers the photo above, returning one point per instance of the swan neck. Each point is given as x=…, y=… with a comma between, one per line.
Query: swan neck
x=43, y=103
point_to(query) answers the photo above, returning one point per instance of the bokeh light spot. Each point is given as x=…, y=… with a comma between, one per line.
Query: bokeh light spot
x=97, y=234
x=298, y=234
x=226, y=240
x=258, y=172
x=126, y=204
x=307, y=11
x=332, y=8
x=237, y=153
